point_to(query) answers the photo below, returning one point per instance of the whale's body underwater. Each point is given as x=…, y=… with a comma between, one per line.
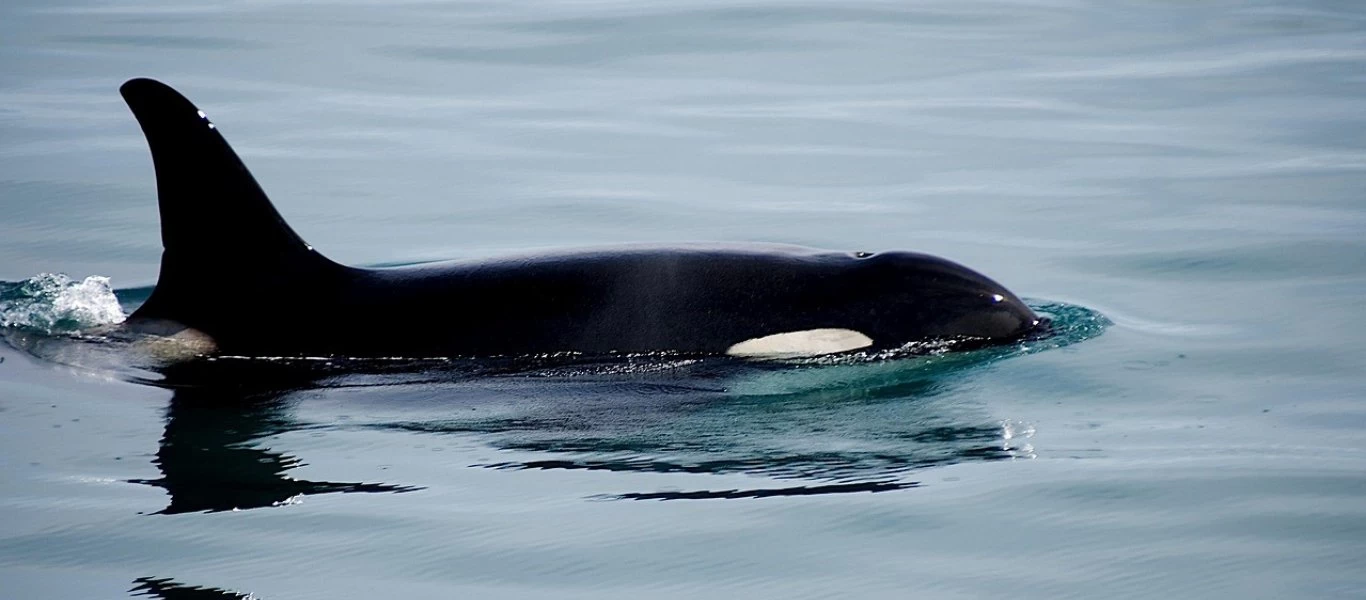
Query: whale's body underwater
x=238, y=280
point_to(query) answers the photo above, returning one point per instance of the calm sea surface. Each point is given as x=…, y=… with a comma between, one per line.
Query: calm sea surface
x=1181, y=184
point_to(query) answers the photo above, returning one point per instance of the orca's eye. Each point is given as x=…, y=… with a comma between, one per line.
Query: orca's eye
x=862, y=254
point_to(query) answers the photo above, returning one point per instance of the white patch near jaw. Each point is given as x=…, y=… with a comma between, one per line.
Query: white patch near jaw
x=811, y=342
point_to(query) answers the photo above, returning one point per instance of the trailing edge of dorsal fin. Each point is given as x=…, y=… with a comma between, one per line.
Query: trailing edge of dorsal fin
x=218, y=228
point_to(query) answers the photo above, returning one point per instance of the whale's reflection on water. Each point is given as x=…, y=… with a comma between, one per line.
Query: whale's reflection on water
x=212, y=455
x=794, y=430
x=798, y=429
x=169, y=589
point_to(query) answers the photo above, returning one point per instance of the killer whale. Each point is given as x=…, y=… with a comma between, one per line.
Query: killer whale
x=237, y=280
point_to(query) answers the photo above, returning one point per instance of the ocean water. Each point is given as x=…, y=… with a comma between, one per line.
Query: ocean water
x=1181, y=185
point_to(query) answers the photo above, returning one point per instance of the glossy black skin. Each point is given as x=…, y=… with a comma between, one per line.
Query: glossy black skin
x=695, y=300
x=232, y=269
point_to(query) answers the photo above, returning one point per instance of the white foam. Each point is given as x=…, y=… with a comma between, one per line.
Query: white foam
x=53, y=301
x=811, y=342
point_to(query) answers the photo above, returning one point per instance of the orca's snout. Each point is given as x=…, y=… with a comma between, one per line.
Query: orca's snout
x=954, y=301
x=1005, y=317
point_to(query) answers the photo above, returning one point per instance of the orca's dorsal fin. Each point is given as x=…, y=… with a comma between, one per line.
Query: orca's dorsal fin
x=218, y=229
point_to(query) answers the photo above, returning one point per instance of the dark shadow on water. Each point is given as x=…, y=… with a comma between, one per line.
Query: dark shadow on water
x=836, y=428
x=871, y=487
x=167, y=589
x=835, y=425
x=832, y=428
x=210, y=456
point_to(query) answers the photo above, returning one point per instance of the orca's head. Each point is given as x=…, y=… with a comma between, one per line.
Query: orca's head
x=938, y=298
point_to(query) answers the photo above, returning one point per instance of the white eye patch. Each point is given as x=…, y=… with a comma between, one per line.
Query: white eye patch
x=793, y=344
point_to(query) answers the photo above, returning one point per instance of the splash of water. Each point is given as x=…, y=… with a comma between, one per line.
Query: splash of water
x=55, y=303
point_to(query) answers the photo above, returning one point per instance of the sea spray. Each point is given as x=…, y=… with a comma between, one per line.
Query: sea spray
x=53, y=302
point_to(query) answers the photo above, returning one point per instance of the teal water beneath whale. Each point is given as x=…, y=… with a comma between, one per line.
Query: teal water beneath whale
x=1181, y=185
